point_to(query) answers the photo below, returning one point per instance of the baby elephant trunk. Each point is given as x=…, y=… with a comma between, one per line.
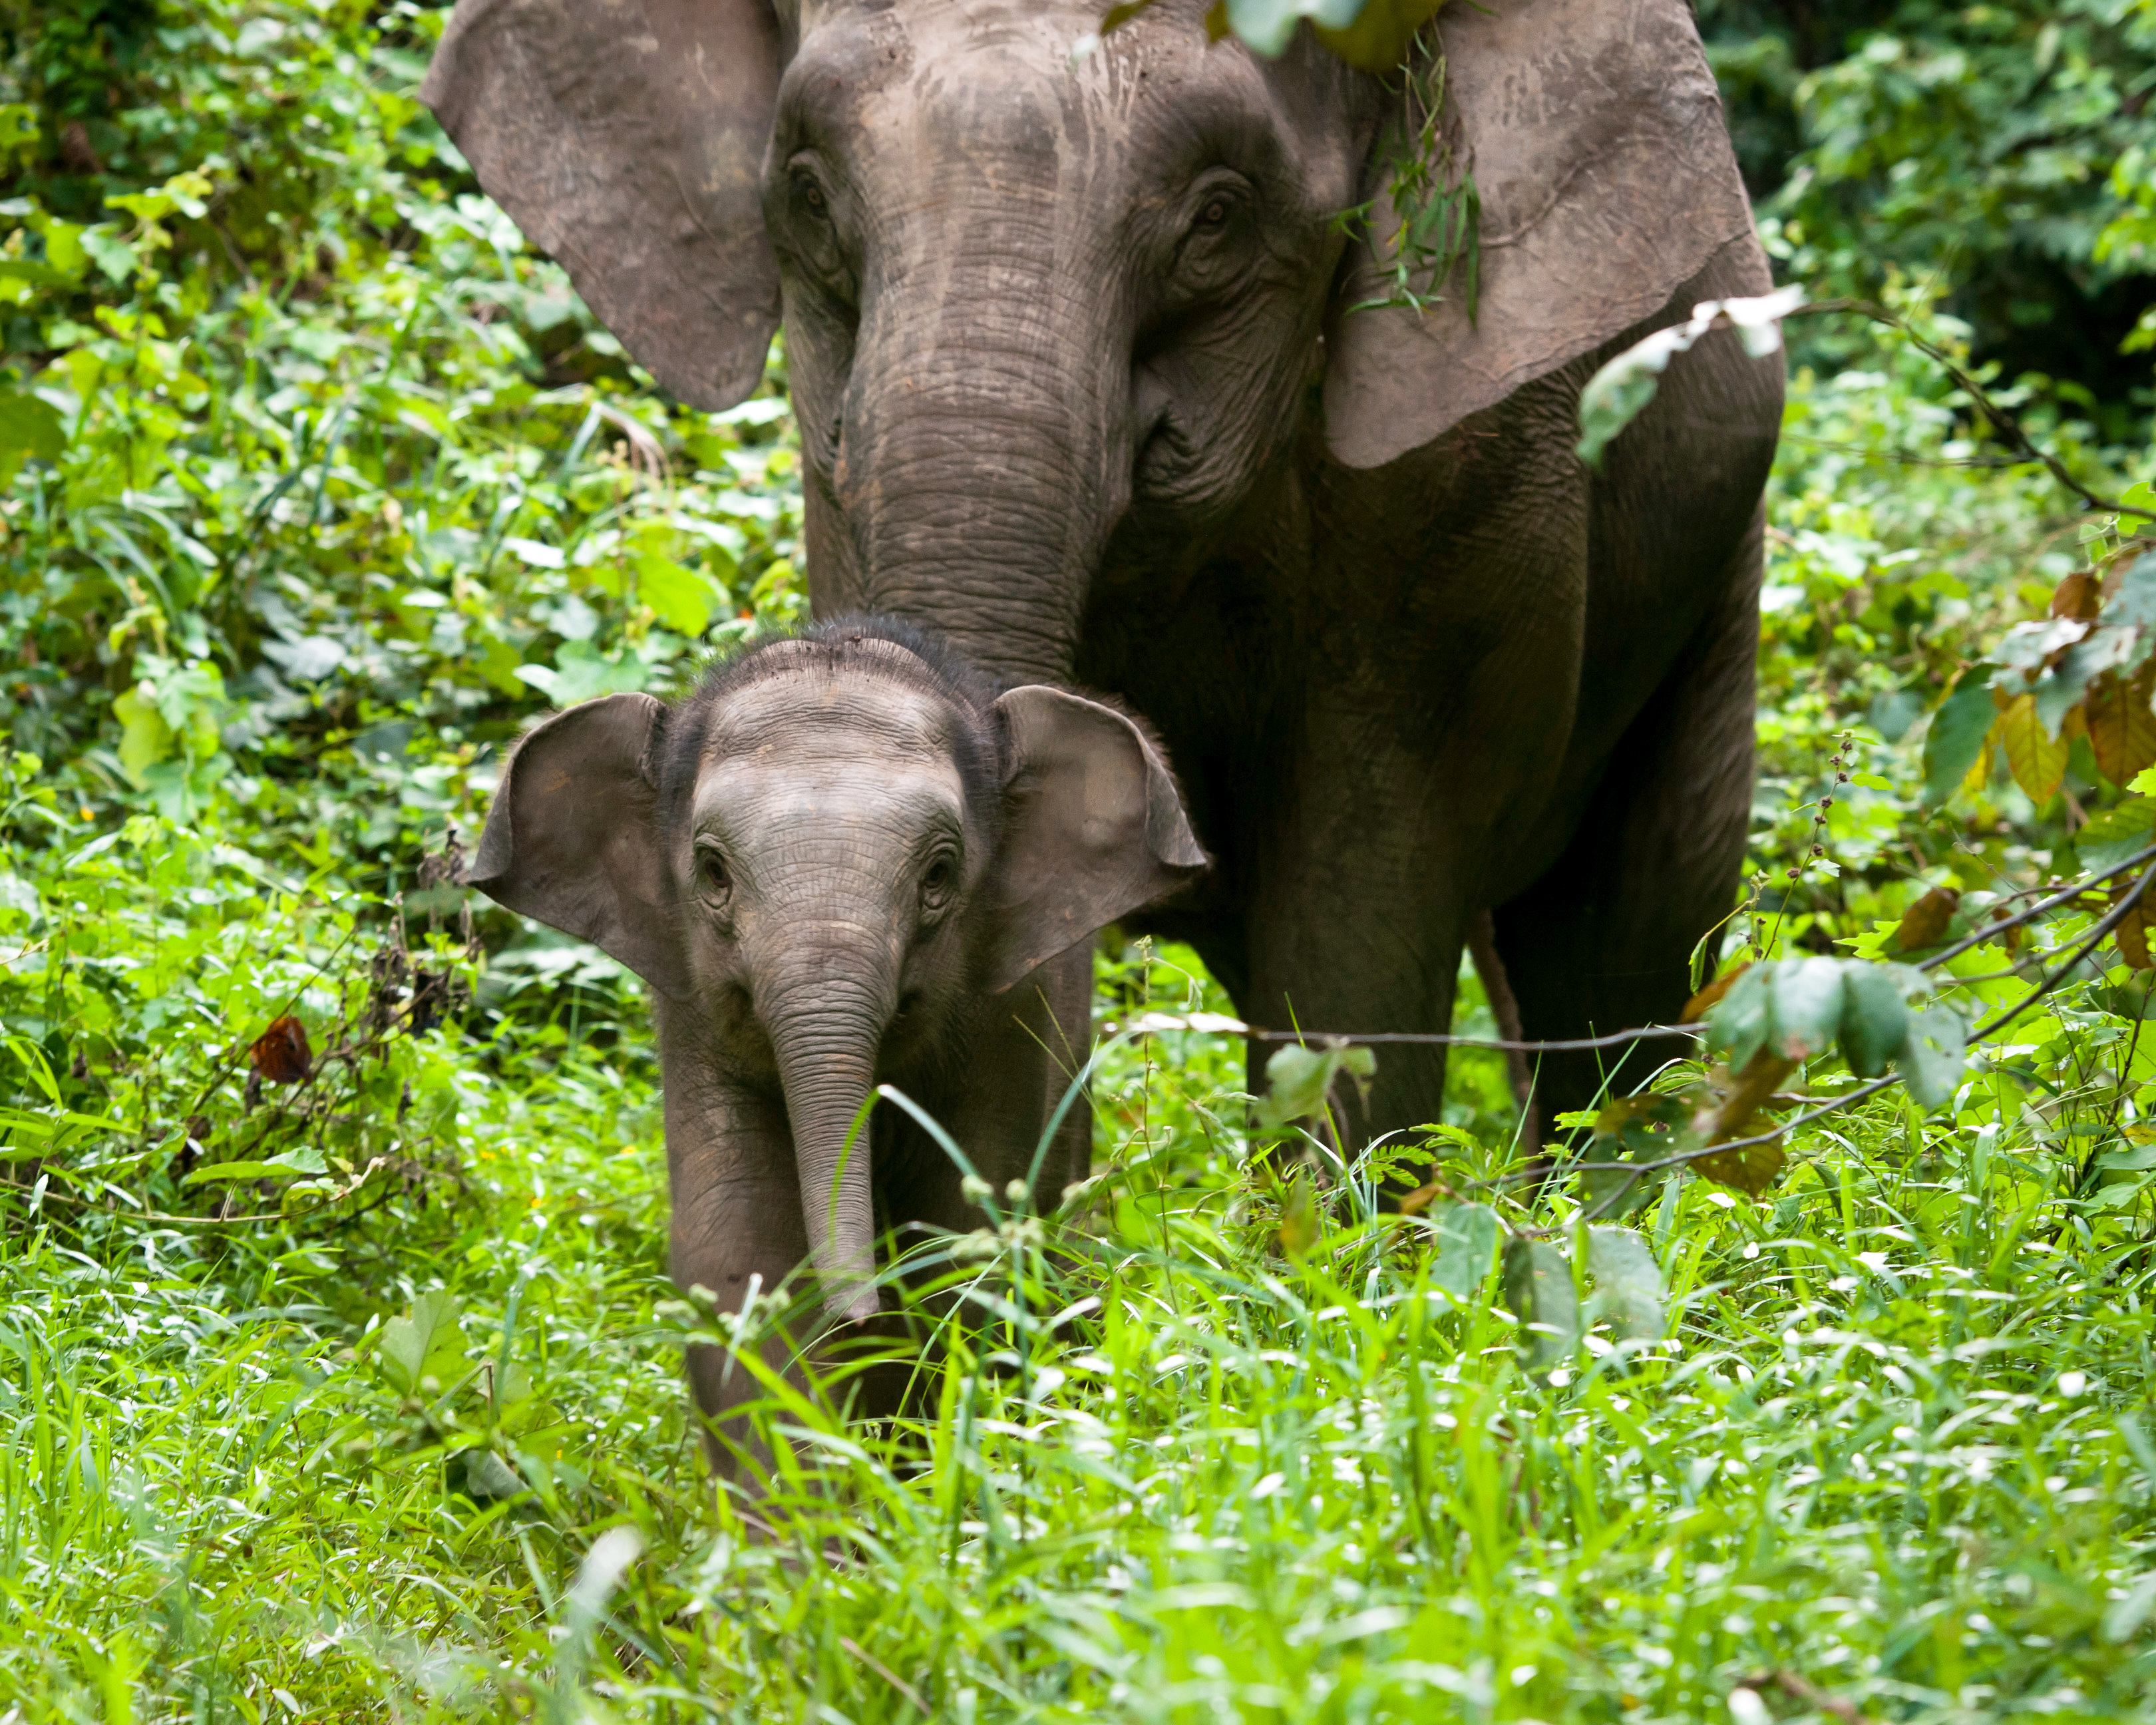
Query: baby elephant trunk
x=825, y=1026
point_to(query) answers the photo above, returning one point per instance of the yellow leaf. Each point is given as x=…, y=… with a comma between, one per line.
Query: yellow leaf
x=2036, y=759
x=1978, y=775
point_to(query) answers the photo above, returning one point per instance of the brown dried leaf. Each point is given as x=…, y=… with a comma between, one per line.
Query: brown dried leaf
x=2036, y=759
x=1924, y=923
x=2132, y=934
x=2078, y=596
x=280, y=1053
x=1750, y=1170
x=1732, y=1110
x=1702, y=1002
x=2122, y=729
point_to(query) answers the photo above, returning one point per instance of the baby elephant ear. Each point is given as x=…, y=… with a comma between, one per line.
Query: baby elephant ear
x=1094, y=827
x=573, y=837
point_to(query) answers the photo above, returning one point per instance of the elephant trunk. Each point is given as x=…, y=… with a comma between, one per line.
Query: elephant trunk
x=824, y=1032
x=981, y=489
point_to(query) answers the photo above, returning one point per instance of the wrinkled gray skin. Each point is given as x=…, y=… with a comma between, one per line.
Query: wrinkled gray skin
x=1082, y=384
x=836, y=866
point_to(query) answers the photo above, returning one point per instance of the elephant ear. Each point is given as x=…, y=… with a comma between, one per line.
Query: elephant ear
x=627, y=138
x=573, y=837
x=1094, y=827
x=1597, y=141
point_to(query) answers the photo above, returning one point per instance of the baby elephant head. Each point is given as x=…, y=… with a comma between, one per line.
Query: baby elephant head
x=824, y=861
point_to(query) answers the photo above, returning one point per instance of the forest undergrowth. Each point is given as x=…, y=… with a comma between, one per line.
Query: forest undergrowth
x=339, y=1374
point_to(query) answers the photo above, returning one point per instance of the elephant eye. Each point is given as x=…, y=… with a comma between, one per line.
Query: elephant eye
x=811, y=195
x=938, y=881
x=711, y=876
x=1213, y=214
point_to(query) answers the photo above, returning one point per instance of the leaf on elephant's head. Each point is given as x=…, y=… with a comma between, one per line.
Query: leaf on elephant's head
x=1380, y=38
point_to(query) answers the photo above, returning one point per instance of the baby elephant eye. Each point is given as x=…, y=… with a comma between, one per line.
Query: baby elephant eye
x=711, y=876
x=938, y=881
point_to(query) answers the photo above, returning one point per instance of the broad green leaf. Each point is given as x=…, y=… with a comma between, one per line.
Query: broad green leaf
x=1466, y=1248
x=1628, y=1284
x=1957, y=734
x=2107, y=840
x=1298, y=1079
x=487, y=1476
x=1539, y=1292
x=1932, y=1058
x=1875, y=1016
x=145, y=737
x=680, y=597
x=1807, y=1002
x=1738, y=1024
x=224, y=1171
x=424, y=1343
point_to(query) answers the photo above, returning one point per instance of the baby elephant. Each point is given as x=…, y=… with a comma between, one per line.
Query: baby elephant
x=836, y=865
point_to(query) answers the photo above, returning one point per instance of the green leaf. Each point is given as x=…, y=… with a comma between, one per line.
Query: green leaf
x=487, y=1476
x=30, y=429
x=1466, y=1248
x=1299, y=1078
x=1539, y=1291
x=680, y=597
x=2107, y=840
x=1875, y=1014
x=1628, y=1284
x=1807, y=1002
x=1956, y=733
x=1738, y=1024
x=1931, y=1061
x=224, y=1171
x=112, y=254
x=424, y=1343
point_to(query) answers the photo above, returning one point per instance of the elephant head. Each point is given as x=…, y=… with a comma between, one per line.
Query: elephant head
x=823, y=860
x=1033, y=298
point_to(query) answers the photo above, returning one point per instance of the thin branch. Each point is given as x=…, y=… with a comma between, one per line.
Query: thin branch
x=2003, y=420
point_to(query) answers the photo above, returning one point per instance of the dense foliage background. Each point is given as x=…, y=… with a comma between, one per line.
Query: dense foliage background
x=340, y=1378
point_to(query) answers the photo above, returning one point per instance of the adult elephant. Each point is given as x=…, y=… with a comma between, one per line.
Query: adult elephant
x=1083, y=384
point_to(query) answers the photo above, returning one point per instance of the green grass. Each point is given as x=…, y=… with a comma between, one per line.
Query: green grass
x=1895, y=1449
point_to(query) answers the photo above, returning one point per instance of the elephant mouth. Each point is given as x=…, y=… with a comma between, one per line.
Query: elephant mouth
x=1168, y=466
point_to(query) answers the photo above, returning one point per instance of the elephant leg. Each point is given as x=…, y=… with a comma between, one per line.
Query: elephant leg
x=1602, y=941
x=1355, y=924
x=735, y=1231
x=1025, y=1051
